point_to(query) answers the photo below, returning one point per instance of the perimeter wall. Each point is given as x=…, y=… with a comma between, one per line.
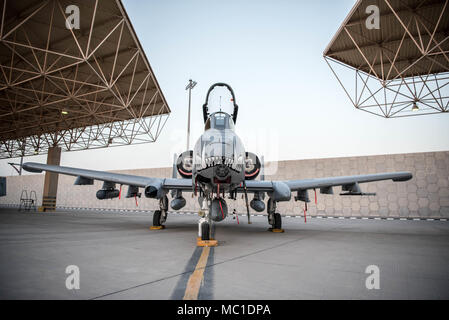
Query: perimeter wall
x=425, y=196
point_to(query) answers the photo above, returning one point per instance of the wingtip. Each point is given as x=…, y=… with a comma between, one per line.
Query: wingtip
x=28, y=166
x=404, y=176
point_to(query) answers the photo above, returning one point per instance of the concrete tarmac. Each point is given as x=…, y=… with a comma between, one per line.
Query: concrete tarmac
x=120, y=258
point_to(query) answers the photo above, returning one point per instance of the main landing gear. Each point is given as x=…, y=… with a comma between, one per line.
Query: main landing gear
x=274, y=218
x=160, y=216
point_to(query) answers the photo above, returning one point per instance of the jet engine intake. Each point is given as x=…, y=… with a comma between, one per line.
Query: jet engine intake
x=154, y=191
x=184, y=164
x=252, y=166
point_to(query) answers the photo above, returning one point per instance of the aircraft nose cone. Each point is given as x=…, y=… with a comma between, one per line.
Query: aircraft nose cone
x=218, y=148
x=221, y=149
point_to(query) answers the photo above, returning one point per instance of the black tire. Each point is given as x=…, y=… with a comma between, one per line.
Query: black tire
x=157, y=218
x=277, y=221
x=205, y=231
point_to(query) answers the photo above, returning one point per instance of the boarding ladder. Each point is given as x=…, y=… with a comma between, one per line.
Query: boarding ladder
x=27, y=203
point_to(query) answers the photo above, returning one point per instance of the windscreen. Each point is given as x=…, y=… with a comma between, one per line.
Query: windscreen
x=220, y=100
x=219, y=121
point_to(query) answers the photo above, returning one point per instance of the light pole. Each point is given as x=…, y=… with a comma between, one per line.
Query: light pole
x=189, y=87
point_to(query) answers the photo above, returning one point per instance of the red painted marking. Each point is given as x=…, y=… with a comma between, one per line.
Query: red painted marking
x=305, y=214
x=222, y=214
x=120, y=193
x=252, y=175
x=135, y=197
x=185, y=173
x=315, y=196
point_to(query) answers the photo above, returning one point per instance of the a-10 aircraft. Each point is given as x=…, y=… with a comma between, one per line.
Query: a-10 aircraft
x=217, y=166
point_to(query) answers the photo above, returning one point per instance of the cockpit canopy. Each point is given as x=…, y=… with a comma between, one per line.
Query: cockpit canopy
x=219, y=121
x=220, y=99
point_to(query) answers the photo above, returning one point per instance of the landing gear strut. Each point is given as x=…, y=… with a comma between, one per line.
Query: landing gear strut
x=160, y=216
x=274, y=218
x=205, y=227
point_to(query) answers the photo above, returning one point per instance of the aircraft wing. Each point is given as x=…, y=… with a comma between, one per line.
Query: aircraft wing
x=125, y=179
x=349, y=183
x=346, y=181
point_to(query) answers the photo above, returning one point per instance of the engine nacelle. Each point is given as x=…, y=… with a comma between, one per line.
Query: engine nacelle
x=252, y=166
x=281, y=192
x=154, y=190
x=184, y=164
x=218, y=212
x=103, y=194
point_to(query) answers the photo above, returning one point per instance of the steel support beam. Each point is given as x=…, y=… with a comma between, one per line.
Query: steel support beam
x=404, y=75
x=51, y=180
x=78, y=89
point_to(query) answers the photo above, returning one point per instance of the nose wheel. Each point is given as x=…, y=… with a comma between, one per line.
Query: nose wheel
x=205, y=234
x=205, y=228
x=205, y=231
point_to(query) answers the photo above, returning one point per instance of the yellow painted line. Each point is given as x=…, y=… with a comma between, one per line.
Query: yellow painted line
x=194, y=283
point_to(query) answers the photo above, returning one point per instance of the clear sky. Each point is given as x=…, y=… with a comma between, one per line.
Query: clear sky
x=270, y=52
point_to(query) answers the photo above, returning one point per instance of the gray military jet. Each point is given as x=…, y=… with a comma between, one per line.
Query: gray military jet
x=217, y=167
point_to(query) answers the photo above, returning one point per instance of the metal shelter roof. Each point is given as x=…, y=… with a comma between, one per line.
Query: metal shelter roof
x=398, y=51
x=412, y=39
x=78, y=88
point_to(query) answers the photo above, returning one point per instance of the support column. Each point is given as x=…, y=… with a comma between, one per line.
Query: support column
x=51, y=180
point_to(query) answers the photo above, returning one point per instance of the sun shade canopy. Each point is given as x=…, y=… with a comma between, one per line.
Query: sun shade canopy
x=399, y=53
x=77, y=86
x=412, y=38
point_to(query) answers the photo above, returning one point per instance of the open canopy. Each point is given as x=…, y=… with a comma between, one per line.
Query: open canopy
x=220, y=98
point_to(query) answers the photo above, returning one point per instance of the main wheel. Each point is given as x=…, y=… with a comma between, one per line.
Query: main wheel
x=271, y=219
x=205, y=231
x=277, y=221
x=157, y=218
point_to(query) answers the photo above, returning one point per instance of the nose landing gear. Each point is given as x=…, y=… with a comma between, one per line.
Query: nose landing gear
x=205, y=228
